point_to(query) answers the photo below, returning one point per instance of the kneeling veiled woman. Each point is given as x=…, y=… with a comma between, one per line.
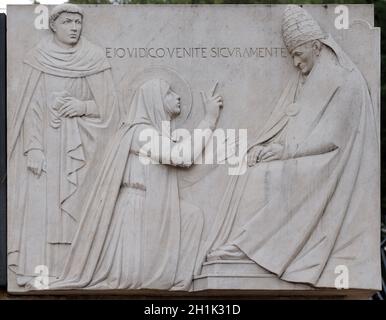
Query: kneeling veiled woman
x=135, y=232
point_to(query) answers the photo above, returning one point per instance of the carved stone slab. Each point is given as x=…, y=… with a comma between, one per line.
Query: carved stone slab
x=282, y=196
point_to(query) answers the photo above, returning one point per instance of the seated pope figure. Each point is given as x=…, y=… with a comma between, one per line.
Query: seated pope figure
x=319, y=152
x=136, y=233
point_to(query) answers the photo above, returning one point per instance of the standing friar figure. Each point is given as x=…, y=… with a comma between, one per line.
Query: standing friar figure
x=320, y=152
x=66, y=112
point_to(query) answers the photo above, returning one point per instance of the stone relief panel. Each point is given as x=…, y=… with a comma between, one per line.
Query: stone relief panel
x=183, y=148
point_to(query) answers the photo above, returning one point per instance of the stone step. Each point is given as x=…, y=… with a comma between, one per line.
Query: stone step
x=234, y=268
x=236, y=274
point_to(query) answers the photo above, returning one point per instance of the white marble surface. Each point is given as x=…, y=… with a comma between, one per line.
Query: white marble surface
x=192, y=48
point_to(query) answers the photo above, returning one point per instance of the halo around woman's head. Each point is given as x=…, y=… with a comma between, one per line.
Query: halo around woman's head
x=176, y=82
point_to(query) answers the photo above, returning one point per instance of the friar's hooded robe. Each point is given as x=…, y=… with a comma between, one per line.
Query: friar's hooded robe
x=41, y=207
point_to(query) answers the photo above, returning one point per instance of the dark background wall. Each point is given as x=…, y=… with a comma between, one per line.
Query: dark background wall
x=3, y=154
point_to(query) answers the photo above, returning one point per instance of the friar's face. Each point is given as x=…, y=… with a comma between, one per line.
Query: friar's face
x=305, y=56
x=67, y=28
x=172, y=103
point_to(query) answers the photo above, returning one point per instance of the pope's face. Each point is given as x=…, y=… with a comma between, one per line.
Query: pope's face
x=67, y=28
x=172, y=103
x=304, y=56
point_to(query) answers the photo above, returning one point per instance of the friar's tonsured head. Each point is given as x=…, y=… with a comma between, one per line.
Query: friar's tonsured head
x=66, y=23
